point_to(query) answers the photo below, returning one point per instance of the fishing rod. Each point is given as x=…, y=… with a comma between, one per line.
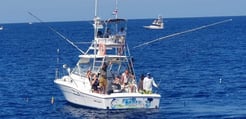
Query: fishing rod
x=58, y=33
x=82, y=42
x=183, y=32
x=158, y=86
x=159, y=83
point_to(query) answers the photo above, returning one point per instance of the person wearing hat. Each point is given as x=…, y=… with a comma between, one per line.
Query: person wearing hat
x=147, y=84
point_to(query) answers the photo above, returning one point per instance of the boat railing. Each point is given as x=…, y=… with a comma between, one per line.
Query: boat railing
x=112, y=40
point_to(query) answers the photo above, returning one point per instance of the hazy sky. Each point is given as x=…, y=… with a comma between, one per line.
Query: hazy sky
x=15, y=11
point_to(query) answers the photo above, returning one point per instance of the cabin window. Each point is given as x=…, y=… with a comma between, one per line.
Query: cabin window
x=82, y=67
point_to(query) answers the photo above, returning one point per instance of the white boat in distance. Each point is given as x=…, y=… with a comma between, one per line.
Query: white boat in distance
x=1, y=28
x=156, y=24
x=109, y=50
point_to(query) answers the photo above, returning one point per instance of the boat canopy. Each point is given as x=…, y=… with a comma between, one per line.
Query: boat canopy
x=115, y=20
x=112, y=27
x=98, y=56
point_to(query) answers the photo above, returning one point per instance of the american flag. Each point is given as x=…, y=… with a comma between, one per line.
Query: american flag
x=115, y=12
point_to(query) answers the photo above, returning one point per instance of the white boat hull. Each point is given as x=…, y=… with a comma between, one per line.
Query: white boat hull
x=104, y=101
x=153, y=27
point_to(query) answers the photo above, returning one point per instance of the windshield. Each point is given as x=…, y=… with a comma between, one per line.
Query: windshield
x=83, y=65
x=112, y=27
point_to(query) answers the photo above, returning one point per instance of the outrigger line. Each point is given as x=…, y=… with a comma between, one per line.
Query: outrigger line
x=58, y=33
x=183, y=32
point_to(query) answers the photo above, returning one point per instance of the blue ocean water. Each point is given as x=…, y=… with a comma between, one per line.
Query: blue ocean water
x=201, y=74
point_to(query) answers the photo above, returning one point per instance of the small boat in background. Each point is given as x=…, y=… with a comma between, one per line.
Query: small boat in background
x=1, y=27
x=156, y=24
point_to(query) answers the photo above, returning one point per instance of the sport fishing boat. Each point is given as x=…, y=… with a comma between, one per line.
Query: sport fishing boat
x=1, y=27
x=156, y=24
x=108, y=49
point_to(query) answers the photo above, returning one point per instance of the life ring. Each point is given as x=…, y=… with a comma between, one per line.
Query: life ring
x=102, y=49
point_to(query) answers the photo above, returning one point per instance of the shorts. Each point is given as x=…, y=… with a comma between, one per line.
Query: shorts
x=102, y=82
x=147, y=92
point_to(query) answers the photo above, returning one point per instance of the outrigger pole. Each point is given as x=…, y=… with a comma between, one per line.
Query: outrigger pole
x=58, y=33
x=183, y=32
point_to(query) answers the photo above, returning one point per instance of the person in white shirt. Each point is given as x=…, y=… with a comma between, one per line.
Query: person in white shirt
x=127, y=80
x=126, y=77
x=147, y=84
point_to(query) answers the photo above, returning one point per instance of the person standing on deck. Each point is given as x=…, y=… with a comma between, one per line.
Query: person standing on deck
x=140, y=84
x=127, y=80
x=122, y=32
x=103, y=79
x=147, y=84
x=95, y=83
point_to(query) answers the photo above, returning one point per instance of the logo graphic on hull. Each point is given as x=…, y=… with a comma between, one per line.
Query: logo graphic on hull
x=119, y=103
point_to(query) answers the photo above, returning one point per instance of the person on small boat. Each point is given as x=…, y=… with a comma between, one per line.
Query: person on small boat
x=116, y=84
x=140, y=84
x=121, y=35
x=95, y=83
x=122, y=32
x=103, y=78
x=116, y=80
x=147, y=84
x=108, y=33
x=127, y=80
x=125, y=77
x=88, y=75
x=99, y=34
x=103, y=84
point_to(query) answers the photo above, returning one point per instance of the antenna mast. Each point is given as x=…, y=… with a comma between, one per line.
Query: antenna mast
x=115, y=12
x=116, y=9
x=96, y=7
x=96, y=19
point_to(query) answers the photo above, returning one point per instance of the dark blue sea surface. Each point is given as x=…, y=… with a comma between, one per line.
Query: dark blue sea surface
x=201, y=74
